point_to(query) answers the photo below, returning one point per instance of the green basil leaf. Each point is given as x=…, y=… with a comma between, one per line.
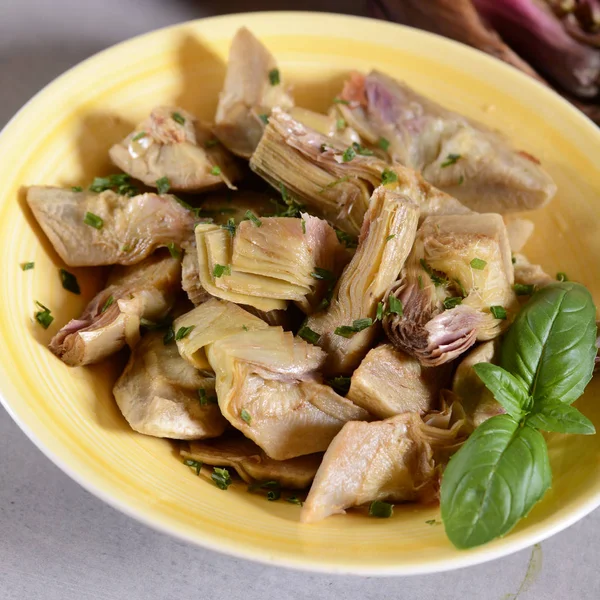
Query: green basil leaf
x=560, y=417
x=552, y=343
x=493, y=480
x=506, y=388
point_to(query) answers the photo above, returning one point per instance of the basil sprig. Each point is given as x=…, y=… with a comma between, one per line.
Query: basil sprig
x=547, y=359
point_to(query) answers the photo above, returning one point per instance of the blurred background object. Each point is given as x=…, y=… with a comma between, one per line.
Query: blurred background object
x=555, y=41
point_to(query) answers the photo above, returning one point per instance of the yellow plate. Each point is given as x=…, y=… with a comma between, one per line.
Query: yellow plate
x=62, y=137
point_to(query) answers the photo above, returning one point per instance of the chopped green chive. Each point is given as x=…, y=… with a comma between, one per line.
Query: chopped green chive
x=221, y=477
x=340, y=124
x=388, y=176
x=205, y=399
x=178, y=118
x=169, y=336
x=264, y=118
x=379, y=314
x=215, y=170
x=390, y=237
x=246, y=416
x=383, y=144
x=93, y=220
x=252, y=217
x=361, y=324
x=340, y=101
x=138, y=136
x=274, y=78
x=452, y=302
x=349, y=154
x=27, y=266
x=303, y=226
x=120, y=182
x=450, y=160
x=361, y=149
x=264, y=485
x=523, y=289
x=348, y=331
x=273, y=495
x=562, y=276
x=461, y=287
x=183, y=332
x=163, y=185
x=306, y=333
x=43, y=316
x=499, y=312
x=220, y=270
x=174, y=250
x=461, y=180
x=334, y=183
x=513, y=259
x=153, y=325
x=230, y=226
x=420, y=280
x=245, y=327
x=69, y=281
x=323, y=274
x=478, y=263
x=395, y=306
x=340, y=384
x=195, y=465
x=381, y=510
x=435, y=278
x=109, y=302
x=294, y=500
x=77, y=188
x=433, y=522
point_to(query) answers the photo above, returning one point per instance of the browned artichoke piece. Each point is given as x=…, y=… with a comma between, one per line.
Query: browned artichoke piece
x=161, y=395
x=251, y=463
x=455, y=289
x=385, y=241
x=88, y=229
x=460, y=156
x=112, y=319
x=173, y=147
x=391, y=460
x=268, y=388
x=253, y=86
x=527, y=273
x=389, y=382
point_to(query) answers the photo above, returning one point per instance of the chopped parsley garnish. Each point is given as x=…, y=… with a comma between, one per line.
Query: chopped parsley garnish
x=138, y=136
x=292, y=206
x=361, y=149
x=379, y=315
x=348, y=331
x=195, y=465
x=252, y=217
x=109, y=302
x=220, y=270
x=230, y=226
x=303, y=226
x=163, y=185
x=264, y=118
x=211, y=143
x=388, y=176
x=340, y=124
x=306, y=333
x=169, y=336
x=478, y=263
x=69, y=281
x=183, y=332
x=245, y=327
x=93, y=220
x=381, y=510
x=451, y=159
x=349, y=154
x=120, y=183
x=390, y=237
x=345, y=238
x=452, y=302
x=246, y=416
x=221, y=477
x=43, y=316
x=323, y=274
x=205, y=399
x=27, y=266
x=341, y=101
x=178, y=118
x=395, y=306
x=174, y=250
x=294, y=500
x=77, y=188
x=435, y=278
x=274, y=78
x=561, y=276
x=499, y=312
x=215, y=170
x=340, y=384
x=523, y=289
x=264, y=485
x=383, y=143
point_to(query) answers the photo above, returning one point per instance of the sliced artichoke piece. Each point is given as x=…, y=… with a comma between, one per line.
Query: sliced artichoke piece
x=460, y=156
x=172, y=144
x=329, y=125
x=391, y=461
x=335, y=180
x=210, y=322
x=160, y=394
x=89, y=230
x=190, y=275
x=389, y=382
x=112, y=319
x=386, y=238
x=518, y=231
x=461, y=264
x=527, y=273
x=268, y=388
x=253, y=86
x=252, y=464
